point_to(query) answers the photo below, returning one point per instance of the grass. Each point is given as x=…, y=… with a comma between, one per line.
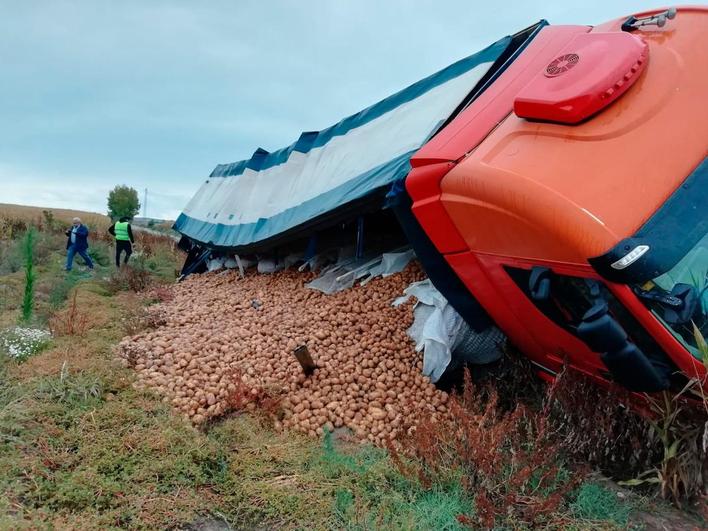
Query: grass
x=81, y=448
x=373, y=494
x=595, y=502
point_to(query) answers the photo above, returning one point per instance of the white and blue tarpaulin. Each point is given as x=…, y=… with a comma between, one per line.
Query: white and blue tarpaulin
x=252, y=201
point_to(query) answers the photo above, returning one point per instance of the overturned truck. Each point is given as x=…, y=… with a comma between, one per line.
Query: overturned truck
x=552, y=186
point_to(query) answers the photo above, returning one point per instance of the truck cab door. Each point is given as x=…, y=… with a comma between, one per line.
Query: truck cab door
x=550, y=305
x=556, y=305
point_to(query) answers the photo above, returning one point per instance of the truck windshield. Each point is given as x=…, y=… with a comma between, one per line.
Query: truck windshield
x=690, y=274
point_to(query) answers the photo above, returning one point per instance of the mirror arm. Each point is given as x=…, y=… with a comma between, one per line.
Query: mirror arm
x=661, y=298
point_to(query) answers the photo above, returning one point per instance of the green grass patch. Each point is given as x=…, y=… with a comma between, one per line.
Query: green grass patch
x=59, y=291
x=373, y=494
x=597, y=502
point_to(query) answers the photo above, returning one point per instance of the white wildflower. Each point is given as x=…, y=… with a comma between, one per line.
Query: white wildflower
x=21, y=342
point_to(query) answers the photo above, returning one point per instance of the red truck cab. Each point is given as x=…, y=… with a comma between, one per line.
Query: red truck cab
x=569, y=198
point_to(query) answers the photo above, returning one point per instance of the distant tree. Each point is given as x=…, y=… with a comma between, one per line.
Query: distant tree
x=123, y=201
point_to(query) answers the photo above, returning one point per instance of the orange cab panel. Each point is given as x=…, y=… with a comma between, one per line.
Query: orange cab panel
x=566, y=193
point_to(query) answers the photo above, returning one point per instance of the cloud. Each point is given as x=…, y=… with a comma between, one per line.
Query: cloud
x=84, y=192
x=155, y=94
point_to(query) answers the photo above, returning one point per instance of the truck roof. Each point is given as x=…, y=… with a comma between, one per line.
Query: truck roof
x=566, y=193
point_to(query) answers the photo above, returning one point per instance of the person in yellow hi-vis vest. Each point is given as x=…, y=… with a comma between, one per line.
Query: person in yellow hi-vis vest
x=123, y=234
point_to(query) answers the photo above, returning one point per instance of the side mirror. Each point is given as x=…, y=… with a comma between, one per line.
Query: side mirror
x=627, y=364
x=540, y=283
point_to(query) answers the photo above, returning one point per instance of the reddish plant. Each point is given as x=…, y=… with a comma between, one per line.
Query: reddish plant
x=507, y=460
x=69, y=322
x=256, y=399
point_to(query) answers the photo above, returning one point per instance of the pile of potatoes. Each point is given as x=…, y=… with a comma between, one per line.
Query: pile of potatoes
x=223, y=334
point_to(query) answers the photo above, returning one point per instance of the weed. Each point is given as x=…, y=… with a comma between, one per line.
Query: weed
x=73, y=389
x=595, y=426
x=132, y=277
x=69, y=322
x=145, y=318
x=681, y=430
x=506, y=460
x=159, y=294
x=244, y=397
x=376, y=495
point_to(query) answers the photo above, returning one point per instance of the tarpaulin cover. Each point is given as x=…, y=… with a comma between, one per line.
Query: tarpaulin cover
x=254, y=200
x=446, y=340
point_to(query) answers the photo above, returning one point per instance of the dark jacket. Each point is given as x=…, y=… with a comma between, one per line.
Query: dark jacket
x=112, y=232
x=81, y=238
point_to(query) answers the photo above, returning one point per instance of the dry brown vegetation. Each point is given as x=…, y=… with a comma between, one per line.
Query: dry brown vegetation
x=510, y=460
x=20, y=215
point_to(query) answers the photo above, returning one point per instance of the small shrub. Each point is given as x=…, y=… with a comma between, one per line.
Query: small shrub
x=10, y=256
x=47, y=245
x=11, y=227
x=49, y=221
x=60, y=290
x=28, y=245
x=132, y=277
x=70, y=322
x=100, y=253
x=507, y=460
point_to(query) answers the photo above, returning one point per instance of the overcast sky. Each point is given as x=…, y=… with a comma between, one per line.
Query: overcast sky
x=154, y=94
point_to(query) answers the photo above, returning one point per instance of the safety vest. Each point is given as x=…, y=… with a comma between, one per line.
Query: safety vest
x=121, y=230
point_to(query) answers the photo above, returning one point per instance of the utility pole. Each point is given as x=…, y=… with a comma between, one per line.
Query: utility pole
x=145, y=203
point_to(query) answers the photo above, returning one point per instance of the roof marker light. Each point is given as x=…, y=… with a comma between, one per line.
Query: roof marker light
x=630, y=257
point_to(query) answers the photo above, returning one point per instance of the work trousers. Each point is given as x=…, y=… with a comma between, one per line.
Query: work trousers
x=123, y=245
x=82, y=253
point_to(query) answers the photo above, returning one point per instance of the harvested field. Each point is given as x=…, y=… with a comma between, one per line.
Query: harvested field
x=228, y=342
x=31, y=214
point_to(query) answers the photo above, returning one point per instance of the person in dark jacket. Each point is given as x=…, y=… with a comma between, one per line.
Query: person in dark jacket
x=77, y=243
x=123, y=234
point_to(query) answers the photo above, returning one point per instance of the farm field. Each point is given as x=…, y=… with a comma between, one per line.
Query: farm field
x=89, y=443
x=8, y=213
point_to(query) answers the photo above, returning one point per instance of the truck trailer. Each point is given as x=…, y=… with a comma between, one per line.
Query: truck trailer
x=552, y=186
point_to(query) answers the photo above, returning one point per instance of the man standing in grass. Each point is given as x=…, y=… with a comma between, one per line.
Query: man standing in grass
x=123, y=234
x=77, y=242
